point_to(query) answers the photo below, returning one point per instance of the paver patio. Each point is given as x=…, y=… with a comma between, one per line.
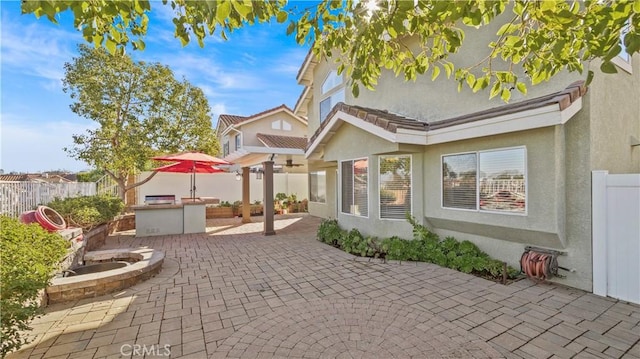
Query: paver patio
x=234, y=293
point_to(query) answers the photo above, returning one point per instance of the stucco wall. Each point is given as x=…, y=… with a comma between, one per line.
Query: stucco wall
x=577, y=195
x=352, y=143
x=263, y=125
x=539, y=225
x=615, y=114
x=428, y=100
x=558, y=199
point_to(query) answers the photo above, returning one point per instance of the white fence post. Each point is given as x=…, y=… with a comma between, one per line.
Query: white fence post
x=599, y=231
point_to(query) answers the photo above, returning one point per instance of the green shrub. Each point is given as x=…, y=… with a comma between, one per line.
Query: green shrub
x=329, y=232
x=426, y=246
x=30, y=255
x=88, y=212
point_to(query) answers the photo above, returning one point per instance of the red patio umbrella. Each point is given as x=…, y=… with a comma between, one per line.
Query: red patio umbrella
x=186, y=167
x=191, y=162
x=192, y=156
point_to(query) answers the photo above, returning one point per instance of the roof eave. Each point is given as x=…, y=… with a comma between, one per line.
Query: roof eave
x=549, y=115
x=555, y=113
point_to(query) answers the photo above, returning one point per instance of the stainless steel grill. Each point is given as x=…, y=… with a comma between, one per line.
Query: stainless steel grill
x=159, y=199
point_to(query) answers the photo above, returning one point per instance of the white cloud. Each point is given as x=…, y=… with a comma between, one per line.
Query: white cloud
x=218, y=109
x=36, y=50
x=29, y=148
x=290, y=61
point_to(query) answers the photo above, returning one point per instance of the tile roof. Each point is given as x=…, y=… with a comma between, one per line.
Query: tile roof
x=36, y=177
x=383, y=119
x=229, y=120
x=22, y=177
x=392, y=122
x=283, y=141
x=563, y=98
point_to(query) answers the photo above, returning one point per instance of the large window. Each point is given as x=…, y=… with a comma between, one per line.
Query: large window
x=395, y=186
x=355, y=187
x=332, y=81
x=318, y=186
x=623, y=59
x=327, y=104
x=492, y=180
x=332, y=93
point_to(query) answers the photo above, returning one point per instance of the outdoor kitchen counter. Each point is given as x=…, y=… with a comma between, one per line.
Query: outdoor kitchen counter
x=166, y=219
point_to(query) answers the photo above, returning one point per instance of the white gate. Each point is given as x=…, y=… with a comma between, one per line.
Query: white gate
x=616, y=235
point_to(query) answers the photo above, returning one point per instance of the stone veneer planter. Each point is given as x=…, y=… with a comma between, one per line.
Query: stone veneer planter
x=148, y=263
x=123, y=222
x=96, y=237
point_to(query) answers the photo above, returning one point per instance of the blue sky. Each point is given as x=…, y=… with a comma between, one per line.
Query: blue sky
x=253, y=71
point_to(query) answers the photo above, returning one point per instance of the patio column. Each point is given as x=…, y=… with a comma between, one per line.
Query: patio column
x=246, y=205
x=267, y=183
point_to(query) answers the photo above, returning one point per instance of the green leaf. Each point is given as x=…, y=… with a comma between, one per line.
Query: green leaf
x=223, y=11
x=495, y=90
x=291, y=28
x=522, y=87
x=471, y=80
x=242, y=9
x=355, y=89
x=636, y=6
x=435, y=73
x=282, y=16
x=392, y=32
x=111, y=46
x=448, y=68
x=505, y=95
x=481, y=84
x=139, y=45
x=608, y=67
x=589, y=77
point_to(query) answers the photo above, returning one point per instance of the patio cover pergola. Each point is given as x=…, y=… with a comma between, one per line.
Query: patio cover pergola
x=276, y=150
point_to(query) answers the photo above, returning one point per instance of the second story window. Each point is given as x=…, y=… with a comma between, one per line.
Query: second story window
x=332, y=93
x=225, y=149
x=237, y=142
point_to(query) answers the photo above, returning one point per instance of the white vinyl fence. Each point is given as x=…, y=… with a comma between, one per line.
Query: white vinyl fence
x=107, y=186
x=223, y=186
x=17, y=196
x=616, y=235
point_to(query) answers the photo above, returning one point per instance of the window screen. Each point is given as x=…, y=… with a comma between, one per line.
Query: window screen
x=355, y=187
x=318, y=186
x=395, y=186
x=502, y=180
x=459, y=181
x=492, y=180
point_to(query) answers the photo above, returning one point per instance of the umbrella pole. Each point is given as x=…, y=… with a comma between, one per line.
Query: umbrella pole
x=193, y=196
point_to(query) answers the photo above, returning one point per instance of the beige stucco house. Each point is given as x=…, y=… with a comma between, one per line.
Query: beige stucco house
x=251, y=140
x=504, y=176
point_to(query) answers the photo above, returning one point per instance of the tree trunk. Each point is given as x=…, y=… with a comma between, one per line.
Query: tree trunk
x=123, y=188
